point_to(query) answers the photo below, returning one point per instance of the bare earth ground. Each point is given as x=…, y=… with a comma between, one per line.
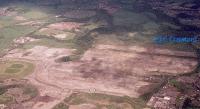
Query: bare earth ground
x=110, y=69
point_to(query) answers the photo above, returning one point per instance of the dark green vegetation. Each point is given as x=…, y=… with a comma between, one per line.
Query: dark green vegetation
x=16, y=92
x=30, y=90
x=64, y=59
x=180, y=86
x=147, y=96
x=61, y=106
x=101, y=101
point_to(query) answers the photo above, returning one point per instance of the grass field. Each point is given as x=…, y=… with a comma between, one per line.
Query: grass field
x=9, y=30
x=8, y=34
x=101, y=101
x=15, y=69
x=34, y=14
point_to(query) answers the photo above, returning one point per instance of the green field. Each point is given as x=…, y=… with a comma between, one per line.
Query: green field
x=15, y=69
x=101, y=101
x=10, y=30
